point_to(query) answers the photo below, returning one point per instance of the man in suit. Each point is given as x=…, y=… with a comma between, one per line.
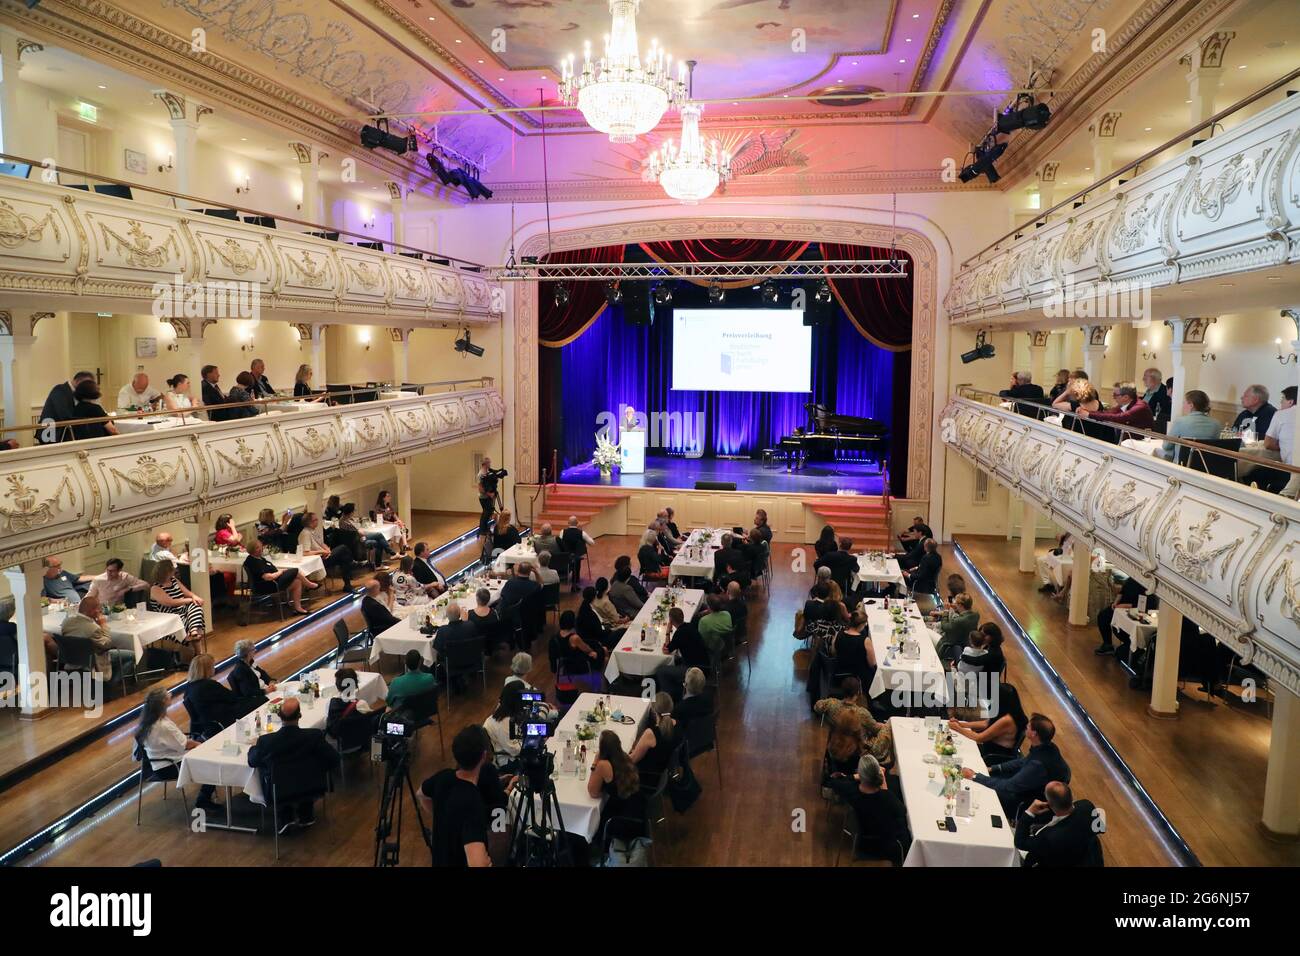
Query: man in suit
x=247, y=679
x=575, y=541
x=843, y=565
x=522, y=595
x=1023, y=387
x=1021, y=780
x=1058, y=831
x=730, y=563
x=88, y=621
x=214, y=397
x=457, y=630
x=292, y=745
x=915, y=534
x=425, y=571
x=261, y=385
x=59, y=406
x=924, y=578
x=376, y=613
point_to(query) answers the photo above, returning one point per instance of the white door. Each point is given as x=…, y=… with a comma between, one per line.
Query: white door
x=74, y=153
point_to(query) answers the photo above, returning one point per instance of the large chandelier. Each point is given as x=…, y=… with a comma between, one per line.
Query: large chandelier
x=691, y=170
x=621, y=94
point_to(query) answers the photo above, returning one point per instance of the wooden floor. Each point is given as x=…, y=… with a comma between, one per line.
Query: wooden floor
x=1205, y=770
x=771, y=753
x=36, y=801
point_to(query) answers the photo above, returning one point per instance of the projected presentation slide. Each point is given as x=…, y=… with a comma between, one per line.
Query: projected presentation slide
x=741, y=350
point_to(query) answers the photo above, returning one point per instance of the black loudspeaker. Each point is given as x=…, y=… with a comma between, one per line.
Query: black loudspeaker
x=715, y=486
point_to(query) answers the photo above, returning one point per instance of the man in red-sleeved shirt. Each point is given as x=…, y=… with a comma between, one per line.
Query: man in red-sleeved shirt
x=1129, y=409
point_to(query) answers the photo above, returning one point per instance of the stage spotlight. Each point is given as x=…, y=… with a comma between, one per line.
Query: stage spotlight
x=716, y=294
x=561, y=296
x=823, y=293
x=982, y=350
x=663, y=294
x=1034, y=116
x=986, y=155
x=466, y=347
x=769, y=292
x=613, y=294
x=440, y=170
x=373, y=137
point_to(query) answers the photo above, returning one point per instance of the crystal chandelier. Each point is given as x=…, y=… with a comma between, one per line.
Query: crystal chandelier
x=621, y=94
x=691, y=170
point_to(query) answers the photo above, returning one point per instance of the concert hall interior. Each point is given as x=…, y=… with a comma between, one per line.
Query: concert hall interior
x=428, y=439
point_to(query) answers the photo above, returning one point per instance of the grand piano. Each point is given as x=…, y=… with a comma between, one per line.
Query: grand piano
x=829, y=437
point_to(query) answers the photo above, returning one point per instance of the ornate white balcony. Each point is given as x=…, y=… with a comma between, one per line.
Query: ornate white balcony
x=62, y=248
x=58, y=497
x=1224, y=554
x=1229, y=205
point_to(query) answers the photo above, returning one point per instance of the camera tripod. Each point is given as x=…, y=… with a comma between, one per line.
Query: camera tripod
x=538, y=838
x=397, y=771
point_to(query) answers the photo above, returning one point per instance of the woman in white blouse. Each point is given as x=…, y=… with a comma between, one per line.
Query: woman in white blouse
x=406, y=587
x=177, y=396
x=164, y=743
x=505, y=751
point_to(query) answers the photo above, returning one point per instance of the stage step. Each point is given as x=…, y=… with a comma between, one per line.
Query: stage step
x=582, y=501
x=863, y=518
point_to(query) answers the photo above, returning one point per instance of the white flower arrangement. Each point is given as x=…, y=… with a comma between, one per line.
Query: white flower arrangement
x=607, y=454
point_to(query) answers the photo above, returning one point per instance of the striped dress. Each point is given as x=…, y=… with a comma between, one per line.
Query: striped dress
x=192, y=613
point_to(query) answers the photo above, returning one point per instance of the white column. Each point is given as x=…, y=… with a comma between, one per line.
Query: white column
x=1204, y=62
x=185, y=115
x=314, y=497
x=1164, y=671
x=1094, y=354
x=195, y=534
x=320, y=375
x=1038, y=358
x=1028, y=535
x=1282, y=785
x=401, y=364
x=11, y=112
x=25, y=585
x=1102, y=133
x=1186, y=345
x=1080, y=581
x=403, y=466
x=397, y=204
x=16, y=356
x=1294, y=315
x=309, y=158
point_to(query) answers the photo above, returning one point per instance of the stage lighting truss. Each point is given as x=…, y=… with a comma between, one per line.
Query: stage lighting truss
x=709, y=271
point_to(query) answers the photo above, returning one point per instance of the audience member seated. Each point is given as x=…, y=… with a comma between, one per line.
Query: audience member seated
x=843, y=564
x=852, y=712
x=521, y=599
x=454, y=797
x=654, y=748
x=826, y=542
x=624, y=563
x=214, y=399
x=292, y=745
x=624, y=595
x=311, y=541
x=1195, y=423
x=730, y=563
x=165, y=744
x=88, y=621
x=545, y=576
x=946, y=608
x=211, y=702
x=246, y=679
x=242, y=391
x=999, y=737
x=761, y=526
x=696, y=700
x=917, y=532
x=504, y=533
x=349, y=718
x=426, y=572
x=577, y=654
x=61, y=585
x=715, y=624
x=1156, y=396
x=375, y=542
x=1022, y=779
x=590, y=626
x=265, y=578
x=734, y=602
x=575, y=542
x=456, y=631
x=88, y=406
x=169, y=596
x=505, y=751
x=486, y=621
x=376, y=613
x=386, y=511
x=688, y=650
x=1129, y=593
x=302, y=385
x=954, y=631
x=853, y=651
x=605, y=609
x=114, y=584
x=61, y=406
x=414, y=680
x=407, y=587
x=1256, y=412
x=1059, y=830
x=615, y=776
x=1280, y=440
x=177, y=397
x=268, y=529
x=138, y=395
x=261, y=387
x=333, y=508
x=1022, y=387
x=653, y=564
x=882, y=819
x=1128, y=411
x=924, y=578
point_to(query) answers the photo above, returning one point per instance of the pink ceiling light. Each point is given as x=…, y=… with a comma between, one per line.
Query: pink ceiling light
x=689, y=171
x=622, y=94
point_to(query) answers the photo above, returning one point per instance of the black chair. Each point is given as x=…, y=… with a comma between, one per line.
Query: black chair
x=369, y=245
x=201, y=729
x=293, y=781
x=230, y=214
x=266, y=221
x=863, y=845
x=150, y=772
x=346, y=654
x=340, y=394
x=77, y=656
x=9, y=654
x=260, y=594
x=701, y=737
x=423, y=709
x=119, y=190
x=411, y=386
x=1221, y=466
x=551, y=598
x=351, y=735
x=460, y=659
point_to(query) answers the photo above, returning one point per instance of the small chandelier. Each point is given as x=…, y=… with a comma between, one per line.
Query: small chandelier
x=689, y=171
x=621, y=94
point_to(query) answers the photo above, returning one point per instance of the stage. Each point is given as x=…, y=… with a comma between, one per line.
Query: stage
x=663, y=471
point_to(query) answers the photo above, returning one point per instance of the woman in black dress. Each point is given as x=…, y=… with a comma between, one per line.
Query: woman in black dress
x=615, y=776
x=87, y=395
x=654, y=748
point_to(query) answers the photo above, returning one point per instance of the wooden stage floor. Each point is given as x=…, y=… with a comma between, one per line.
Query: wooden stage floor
x=771, y=754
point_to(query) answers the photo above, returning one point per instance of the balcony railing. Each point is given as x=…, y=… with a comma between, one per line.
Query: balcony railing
x=1224, y=554
x=59, y=497
x=68, y=247
x=1230, y=204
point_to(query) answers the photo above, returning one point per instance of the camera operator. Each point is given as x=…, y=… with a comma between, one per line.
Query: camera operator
x=505, y=749
x=489, y=497
x=462, y=801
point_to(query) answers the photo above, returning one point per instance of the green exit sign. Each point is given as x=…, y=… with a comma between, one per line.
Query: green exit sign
x=87, y=112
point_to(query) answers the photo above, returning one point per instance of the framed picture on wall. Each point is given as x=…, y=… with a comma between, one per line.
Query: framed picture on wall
x=136, y=162
x=146, y=348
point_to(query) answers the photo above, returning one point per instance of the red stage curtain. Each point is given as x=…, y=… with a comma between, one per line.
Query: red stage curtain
x=559, y=325
x=881, y=308
x=725, y=250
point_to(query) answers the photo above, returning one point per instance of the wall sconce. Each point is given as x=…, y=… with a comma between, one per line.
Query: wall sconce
x=1208, y=357
x=173, y=347
x=1147, y=356
x=247, y=346
x=1285, y=359
x=364, y=336
x=247, y=187
x=167, y=167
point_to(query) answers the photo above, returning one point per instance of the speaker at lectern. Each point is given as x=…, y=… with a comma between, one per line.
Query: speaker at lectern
x=632, y=447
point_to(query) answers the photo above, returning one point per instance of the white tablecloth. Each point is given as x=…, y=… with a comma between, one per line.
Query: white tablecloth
x=694, y=559
x=523, y=551
x=1149, y=446
x=879, y=572
x=629, y=657
x=581, y=813
x=210, y=763
x=1138, y=632
x=134, y=636
x=397, y=393
x=403, y=637
x=976, y=842
x=128, y=425
x=281, y=408
x=917, y=683
x=234, y=563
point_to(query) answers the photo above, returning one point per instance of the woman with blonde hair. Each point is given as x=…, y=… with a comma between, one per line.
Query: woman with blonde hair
x=211, y=703
x=654, y=747
x=302, y=384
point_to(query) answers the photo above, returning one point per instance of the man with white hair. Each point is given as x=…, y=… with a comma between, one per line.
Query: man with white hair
x=520, y=665
x=138, y=393
x=575, y=541
x=545, y=575
x=882, y=820
x=547, y=541
x=1256, y=413
x=88, y=622
x=1022, y=386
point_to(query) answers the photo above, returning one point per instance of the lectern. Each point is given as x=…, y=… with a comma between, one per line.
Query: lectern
x=632, y=446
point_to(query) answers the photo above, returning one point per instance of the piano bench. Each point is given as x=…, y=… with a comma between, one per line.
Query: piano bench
x=770, y=456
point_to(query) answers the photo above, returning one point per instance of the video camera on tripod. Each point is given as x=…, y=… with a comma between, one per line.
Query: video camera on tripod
x=392, y=745
x=530, y=725
x=392, y=742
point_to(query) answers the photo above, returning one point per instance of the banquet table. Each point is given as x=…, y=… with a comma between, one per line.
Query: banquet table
x=633, y=659
x=392, y=393
x=234, y=563
x=523, y=551
x=222, y=760
x=406, y=636
x=1052, y=568
x=132, y=631
x=1148, y=446
x=921, y=682
x=579, y=812
x=977, y=842
x=282, y=408
x=1139, y=628
x=127, y=426
x=873, y=571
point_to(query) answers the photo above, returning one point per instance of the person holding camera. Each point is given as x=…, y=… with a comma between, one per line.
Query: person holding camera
x=489, y=496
